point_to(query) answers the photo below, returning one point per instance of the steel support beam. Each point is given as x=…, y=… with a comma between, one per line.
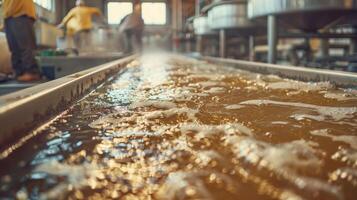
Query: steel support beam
x=251, y=48
x=354, y=46
x=353, y=49
x=325, y=48
x=272, y=38
x=222, y=43
x=177, y=22
x=316, y=35
x=197, y=7
x=199, y=43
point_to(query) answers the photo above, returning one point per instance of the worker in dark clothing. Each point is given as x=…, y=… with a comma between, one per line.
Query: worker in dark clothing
x=132, y=27
x=19, y=18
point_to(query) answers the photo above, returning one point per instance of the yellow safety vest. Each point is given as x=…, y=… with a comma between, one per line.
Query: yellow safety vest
x=80, y=18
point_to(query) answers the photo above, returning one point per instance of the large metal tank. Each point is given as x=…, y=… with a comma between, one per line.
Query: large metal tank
x=231, y=14
x=201, y=26
x=307, y=15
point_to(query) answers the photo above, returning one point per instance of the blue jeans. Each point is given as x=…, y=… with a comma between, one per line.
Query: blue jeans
x=21, y=39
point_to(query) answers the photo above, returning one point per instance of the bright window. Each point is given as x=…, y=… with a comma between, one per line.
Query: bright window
x=48, y=4
x=117, y=11
x=154, y=13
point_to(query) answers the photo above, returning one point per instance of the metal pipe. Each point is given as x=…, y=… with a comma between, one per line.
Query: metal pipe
x=251, y=48
x=188, y=45
x=353, y=49
x=222, y=43
x=353, y=46
x=174, y=24
x=179, y=15
x=317, y=35
x=324, y=48
x=197, y=8
x=199, y=43
x=272, y=38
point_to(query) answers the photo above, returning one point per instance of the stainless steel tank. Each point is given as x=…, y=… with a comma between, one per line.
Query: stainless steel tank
x=201, y=26
x=230, y=14
x=303, y=14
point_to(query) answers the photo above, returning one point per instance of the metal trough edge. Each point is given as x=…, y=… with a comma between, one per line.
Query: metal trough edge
x=25, y=110
x=337, y=78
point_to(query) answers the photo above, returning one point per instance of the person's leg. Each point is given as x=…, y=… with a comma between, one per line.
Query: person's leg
x=82, y=40
x=27, y=43
x=88, y=39
x=77, y=41
x=85, y=41
x=13, y=46
x=125, y=41
x=128, y=41
x=139, y=40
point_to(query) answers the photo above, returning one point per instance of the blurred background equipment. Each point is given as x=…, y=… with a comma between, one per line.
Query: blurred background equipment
x=309, y=33
x=327, y=30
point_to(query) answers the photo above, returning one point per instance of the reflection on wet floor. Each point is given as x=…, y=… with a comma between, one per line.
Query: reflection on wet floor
x=174, y=128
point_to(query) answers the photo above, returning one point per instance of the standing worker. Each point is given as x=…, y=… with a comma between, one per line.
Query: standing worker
x=19, y=18
x=78, y=23
x=133, y=26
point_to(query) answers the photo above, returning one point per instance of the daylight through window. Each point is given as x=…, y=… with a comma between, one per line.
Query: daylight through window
x=118, y=10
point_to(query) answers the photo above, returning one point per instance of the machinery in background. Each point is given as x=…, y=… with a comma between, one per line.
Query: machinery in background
x=326, y=31
x=224, y=24
x=312, y=33
x=205, y=36
x=236, y=31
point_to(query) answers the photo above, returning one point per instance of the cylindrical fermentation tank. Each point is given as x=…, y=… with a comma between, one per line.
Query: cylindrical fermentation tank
x=228, y=15
x=201, y=26
x=303, y=14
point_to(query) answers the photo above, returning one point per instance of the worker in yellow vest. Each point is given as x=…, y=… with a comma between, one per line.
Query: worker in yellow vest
x=78, y=23
x=19, y=21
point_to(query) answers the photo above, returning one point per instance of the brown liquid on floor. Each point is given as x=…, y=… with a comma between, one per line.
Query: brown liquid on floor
x=174, y=128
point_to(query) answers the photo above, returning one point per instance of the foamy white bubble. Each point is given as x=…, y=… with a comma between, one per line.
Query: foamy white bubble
x=347, y=139
x=155, y=104
x=336, y=113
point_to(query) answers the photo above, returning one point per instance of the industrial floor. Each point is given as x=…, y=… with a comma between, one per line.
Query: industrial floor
x=169, y=127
